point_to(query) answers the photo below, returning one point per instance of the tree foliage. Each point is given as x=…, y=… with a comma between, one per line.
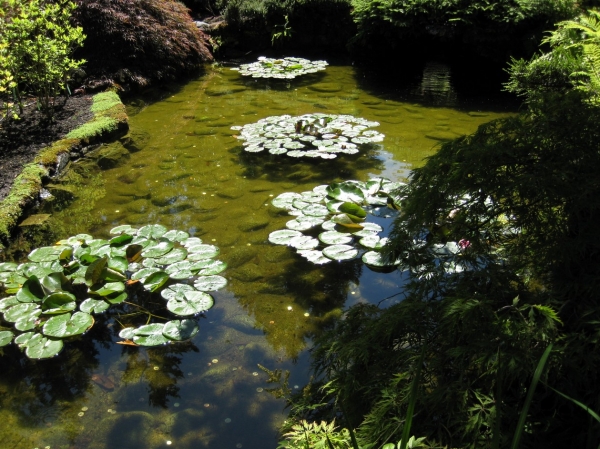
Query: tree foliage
x=36, y=48
x=499, y=232
x=140, y=41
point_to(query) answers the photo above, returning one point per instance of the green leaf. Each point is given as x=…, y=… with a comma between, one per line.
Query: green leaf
x=346, y=192
x=208, y=267
x=190, y=303
x=175, y=289
x=202, y=252
x=210, y=283
x=5, y=303
x=180, y=330
x=150, y=335
x=144, y=273
x=283, y=237
x=46, y=253
x=155, y=281
x=40, y=347
x=54, y=282
x=335, y=238
x=340, y=252
x=59, y=302
x=94, y=306
x=176, y=236
x=13, y=313
x=123, y=229
x=158, y=249
x=152, y=231
x=31, y=291
x=347, y=222
x=173, y=256
x=5, y=337
x=120, y=240
x=353, y=209
x=109, y=288
x=66, y=325
x=93, y=274
x=116, y=298
x=134, y=252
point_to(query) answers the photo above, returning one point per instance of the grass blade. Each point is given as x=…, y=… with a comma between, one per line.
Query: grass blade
x=413, y=399
x=536, y=377
x=576, y=402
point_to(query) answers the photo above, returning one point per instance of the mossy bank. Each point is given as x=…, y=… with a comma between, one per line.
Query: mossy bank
x=109, y=122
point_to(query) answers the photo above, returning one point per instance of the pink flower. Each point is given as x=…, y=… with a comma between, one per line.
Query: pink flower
x=464, y=244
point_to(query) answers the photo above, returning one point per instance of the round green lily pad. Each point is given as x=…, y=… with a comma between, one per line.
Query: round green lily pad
x=91, y=305
x=176, y=235
x=150, y=335
x=157, y=250
x=304, y=242
x=210, y=283
x=208, y=267
x=67, y=325
x=173, y=256
x=18, y=311
x=314, y=256
x=5, y=337
x=59, y=302
x=202, y=252
x=175, y=289
x=180, y=330
x=127, y=333
x=335, y=238
x=152, y=231
x=283, y=237
x=340, y=252
x=42, y=347
x=47, y=253
x=142, y=274
x=155, y=281
x=190, y=303
x=5, y=303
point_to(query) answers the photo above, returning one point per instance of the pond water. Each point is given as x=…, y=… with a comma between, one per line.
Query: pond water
x=187, y=171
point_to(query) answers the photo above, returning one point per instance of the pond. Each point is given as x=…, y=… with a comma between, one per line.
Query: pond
x=186, y=170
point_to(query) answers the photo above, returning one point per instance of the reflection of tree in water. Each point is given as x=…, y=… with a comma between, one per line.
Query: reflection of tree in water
x=289, y=290
x=159, y=367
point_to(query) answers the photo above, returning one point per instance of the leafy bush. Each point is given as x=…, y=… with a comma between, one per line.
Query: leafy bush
x=36, y=46
x=487, y=28
x=499, y=231
x=141, y=40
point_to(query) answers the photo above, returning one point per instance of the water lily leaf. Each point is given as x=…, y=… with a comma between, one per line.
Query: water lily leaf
x=304, y=242
x=23, y=339
x=335, y=238
x=127, y=333
x=133, y=252
x=376, y=259
x=353, y=209
x=158, y=249
x=178, y=266
x=66, y=325
x=374, y=227
x=59, y=302
x=8, y=266
x=143, y=241
x=202, y=252
x=346, y=192
x=31, y=291
x=180, y=330
x=210, y=283
x=5, y=303
x=5, y=337
x=109, y=288
x=155, y=281
x=285, y=200
x=371, y=241
x=38, y=270
x=127, y=229
x=40, y=347
x=347, y=222
x=175, y=289
x=316, y=210
x=94, y=306
x=283, y=237
x=54, y=282
x=28, y=322
x=116, y=298
x=176, y=235
x=208, y=267
x=192, y=241
x=340, y=252
x=120, y=240
x=314, y=256
x=118, y=263
x=21, y=310
x=150, y=335
x=304, y=223
x=155, y=231
x=175, y=255
x=46, y=253
x=94, y=272
x=190, y=303
x=142, y=274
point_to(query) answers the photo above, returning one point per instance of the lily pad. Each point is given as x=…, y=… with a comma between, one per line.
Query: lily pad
x=59, y=302
x=6, y=337
x=150, y=335
x=175, y=289
x=202, y=252
x=180, y=330
x=173, y=256
x=210, y=283
x=314, y=256
x=176, y=235
x=340, y=252
x=91, y=305
x=304, y=242
x=67, y=325
x=155, y=281
x=41, y=347
x=190, y=303
x=160, y=249
x=335, y=238
x=155, y=231
x=208, y=267
x=13, y=313
x=283, y=237
x=47, y=253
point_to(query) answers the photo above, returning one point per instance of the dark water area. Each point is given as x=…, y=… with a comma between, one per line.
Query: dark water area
x=187, y=171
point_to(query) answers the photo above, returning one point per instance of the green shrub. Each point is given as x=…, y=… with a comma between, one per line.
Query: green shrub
x=36, y=46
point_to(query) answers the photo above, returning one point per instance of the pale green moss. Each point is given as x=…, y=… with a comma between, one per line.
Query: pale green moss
x=98, y=126
x=104, y=101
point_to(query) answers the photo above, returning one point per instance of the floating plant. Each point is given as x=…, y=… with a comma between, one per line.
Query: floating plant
x=56, y=293
x=285, y=68
x=332, y=221
x=309, y=135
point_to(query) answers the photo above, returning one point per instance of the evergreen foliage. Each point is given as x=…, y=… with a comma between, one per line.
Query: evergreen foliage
x=521, y=198
x=140, y=41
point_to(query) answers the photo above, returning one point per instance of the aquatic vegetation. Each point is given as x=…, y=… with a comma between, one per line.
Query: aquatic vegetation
x=309, y=135
x=334, y=218
x=285, y=68
x=56, y=293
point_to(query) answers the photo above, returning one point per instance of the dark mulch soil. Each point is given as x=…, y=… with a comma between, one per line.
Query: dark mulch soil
x=21, y=140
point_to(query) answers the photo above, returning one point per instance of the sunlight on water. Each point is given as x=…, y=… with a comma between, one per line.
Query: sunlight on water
x=185, y=169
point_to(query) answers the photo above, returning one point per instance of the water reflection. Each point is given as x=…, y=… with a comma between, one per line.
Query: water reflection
x=181, y=167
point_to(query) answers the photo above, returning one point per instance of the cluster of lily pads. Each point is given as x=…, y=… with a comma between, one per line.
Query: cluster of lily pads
x=55, y=294
x=335, y=222
x=285, y=68
x=309, y=135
